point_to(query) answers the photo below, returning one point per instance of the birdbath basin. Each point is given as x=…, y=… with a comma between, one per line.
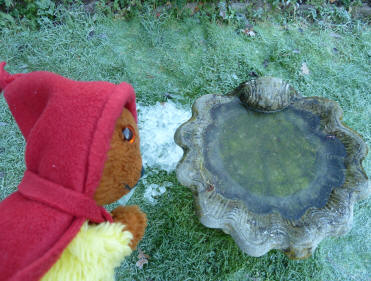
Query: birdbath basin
x=272, y=168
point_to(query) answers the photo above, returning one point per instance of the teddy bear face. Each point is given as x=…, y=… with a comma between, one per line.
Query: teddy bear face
x=123, y=166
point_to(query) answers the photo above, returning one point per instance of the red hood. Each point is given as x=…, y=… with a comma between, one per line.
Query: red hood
x=68, y=126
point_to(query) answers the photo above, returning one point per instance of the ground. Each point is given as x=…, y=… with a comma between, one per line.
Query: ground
x=170, y=63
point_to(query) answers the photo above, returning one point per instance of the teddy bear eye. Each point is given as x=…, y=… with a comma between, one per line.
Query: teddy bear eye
x=128, y=134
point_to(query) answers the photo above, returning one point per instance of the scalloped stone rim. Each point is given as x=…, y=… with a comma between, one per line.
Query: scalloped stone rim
x=256, y=234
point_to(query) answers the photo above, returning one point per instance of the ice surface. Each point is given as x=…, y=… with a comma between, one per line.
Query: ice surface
x=157, y=125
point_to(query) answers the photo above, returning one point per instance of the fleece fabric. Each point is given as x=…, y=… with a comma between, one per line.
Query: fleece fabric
x=68, y=126
x=96, y=246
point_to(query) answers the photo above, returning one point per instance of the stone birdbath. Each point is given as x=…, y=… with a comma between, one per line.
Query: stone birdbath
x=272, y=168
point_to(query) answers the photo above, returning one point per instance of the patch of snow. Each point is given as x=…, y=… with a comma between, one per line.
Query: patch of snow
x=153, y=191
x=157, y=125
x=124, y=199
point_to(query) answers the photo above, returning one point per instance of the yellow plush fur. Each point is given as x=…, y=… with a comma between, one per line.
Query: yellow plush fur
x=93, y=254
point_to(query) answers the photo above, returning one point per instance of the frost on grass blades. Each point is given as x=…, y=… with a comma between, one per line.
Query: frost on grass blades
x=348, y=257
x=157, y=125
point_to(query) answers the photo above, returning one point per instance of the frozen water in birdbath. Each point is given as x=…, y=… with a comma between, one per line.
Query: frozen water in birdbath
x=273, y=161
x=272, y=168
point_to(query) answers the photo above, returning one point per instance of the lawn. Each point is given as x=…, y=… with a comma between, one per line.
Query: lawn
x=174, y=62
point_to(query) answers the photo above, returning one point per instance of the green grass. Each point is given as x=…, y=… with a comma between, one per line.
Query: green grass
x=182, y=249
x=188, y=59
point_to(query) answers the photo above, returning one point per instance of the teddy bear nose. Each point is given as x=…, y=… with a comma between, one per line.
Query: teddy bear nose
x=142, y=173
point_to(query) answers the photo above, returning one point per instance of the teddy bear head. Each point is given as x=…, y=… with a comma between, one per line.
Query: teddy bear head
x=123, y=166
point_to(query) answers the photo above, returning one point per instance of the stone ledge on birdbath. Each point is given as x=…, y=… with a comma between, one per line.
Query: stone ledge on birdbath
x=272, y=168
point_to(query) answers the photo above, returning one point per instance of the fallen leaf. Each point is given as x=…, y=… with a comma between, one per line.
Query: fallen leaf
x=142, y=255
x=143, y=259
x=249, y=32
x=141, y=262
x=304, y=69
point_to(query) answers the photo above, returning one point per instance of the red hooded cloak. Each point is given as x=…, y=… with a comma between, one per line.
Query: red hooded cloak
x=68, y=126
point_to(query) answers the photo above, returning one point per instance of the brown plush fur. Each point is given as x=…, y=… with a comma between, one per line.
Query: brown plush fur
x=134, y=219
x=121, y=172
